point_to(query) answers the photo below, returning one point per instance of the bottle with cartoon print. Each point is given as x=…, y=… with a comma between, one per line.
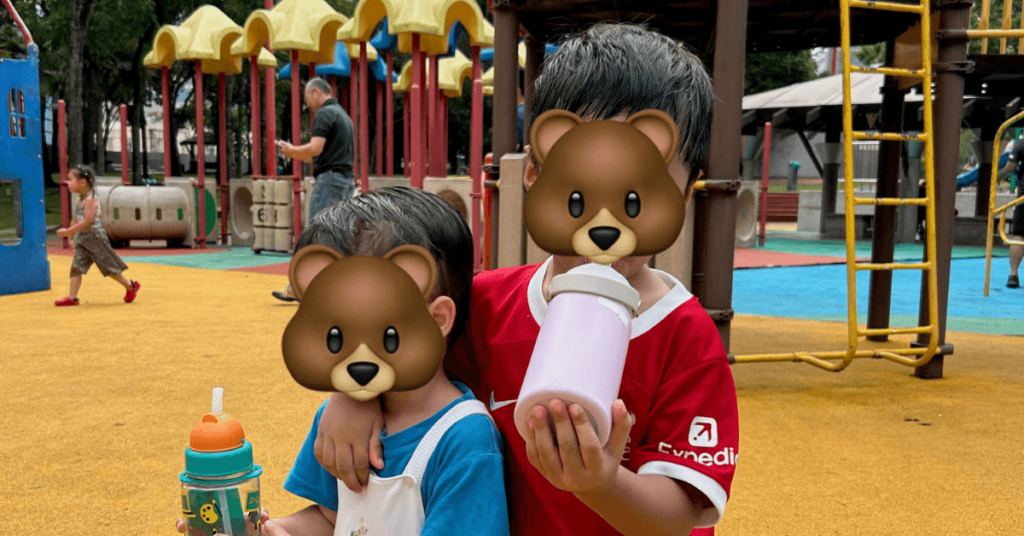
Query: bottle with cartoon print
x=220, y=487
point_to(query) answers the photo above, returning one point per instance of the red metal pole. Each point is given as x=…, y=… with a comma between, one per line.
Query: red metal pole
x=476, y=147
x=19, y=23
x=165, y=84
x=123, y=111
x=254, y=99
x=424, y=120
x=270, y=109
x=364, y=125
x=486, y=262
x=201, y=153
x=380, y=129
x=433, y=120
x=222, y=158
x=765, y=161
x=296, y=113
x=270, y=112
x=62, y=139
x=353, y=110
x=296, y=140
x=406, y=149
x=389, y=102
x=312, y=113
x=416, y=129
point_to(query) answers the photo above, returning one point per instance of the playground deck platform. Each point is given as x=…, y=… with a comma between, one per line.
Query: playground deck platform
x=99, y=399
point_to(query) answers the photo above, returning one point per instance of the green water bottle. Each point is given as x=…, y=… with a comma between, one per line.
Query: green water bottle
x=220, y=487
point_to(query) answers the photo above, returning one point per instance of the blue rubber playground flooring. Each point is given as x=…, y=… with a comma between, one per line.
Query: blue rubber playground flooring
x=819, y=293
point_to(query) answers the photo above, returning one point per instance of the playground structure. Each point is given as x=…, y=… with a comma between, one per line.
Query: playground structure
x=923, y=45
x=712, y=229
x=23, y=266
x=317, y=36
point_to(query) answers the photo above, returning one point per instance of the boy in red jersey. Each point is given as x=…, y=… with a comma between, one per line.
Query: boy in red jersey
x=669, y=463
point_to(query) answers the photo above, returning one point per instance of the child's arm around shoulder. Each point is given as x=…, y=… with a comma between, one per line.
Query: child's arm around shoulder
x=465, y=482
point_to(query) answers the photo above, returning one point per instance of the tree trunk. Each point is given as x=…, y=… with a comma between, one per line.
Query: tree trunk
x=81, y=12
x=93, y=126
x=145, y=146
x=101, y=139
x=47, y=148
x=106, y=136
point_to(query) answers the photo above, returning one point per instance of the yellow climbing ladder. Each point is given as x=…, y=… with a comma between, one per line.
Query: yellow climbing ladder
x=913, y=357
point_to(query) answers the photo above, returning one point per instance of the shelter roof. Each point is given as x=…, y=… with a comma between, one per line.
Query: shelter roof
x=772, y=24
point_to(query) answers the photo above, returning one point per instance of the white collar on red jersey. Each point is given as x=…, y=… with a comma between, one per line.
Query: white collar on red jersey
x=677, y=295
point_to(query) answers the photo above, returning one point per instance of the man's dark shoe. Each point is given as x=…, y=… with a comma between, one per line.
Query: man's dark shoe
x=1013, y=282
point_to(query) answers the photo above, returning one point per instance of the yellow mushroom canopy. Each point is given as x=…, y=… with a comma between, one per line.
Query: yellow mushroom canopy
x=206, y=35
x=353, y=52
x=452, y=73
x=308, y=26
x=432, y=19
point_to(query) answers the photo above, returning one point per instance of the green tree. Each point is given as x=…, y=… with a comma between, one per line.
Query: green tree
x=995, y=22
x=871, y=54
x=770, y=70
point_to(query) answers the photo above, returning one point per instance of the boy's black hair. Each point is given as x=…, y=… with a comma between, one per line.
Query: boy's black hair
x=84, y=172
x=613, y=68
x=378, y=221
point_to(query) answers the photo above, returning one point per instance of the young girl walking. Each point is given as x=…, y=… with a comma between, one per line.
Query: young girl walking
x=90, y=243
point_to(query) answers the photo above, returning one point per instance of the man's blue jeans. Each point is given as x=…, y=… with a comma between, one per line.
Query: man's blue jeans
x=329, y=189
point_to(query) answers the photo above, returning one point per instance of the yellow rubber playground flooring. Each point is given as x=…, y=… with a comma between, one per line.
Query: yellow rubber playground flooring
x=98, y=400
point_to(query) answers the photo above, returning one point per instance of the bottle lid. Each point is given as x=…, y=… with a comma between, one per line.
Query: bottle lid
x=216, y=433
x=220, y=467
x=598, y=279
x=217, y=447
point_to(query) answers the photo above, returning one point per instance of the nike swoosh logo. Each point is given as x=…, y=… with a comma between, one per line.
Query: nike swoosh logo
x=496, y=405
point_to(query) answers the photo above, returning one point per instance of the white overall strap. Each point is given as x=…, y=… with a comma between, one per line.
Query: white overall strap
x=418, y=464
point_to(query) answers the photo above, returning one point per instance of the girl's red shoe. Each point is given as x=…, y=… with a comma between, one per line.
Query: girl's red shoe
x=132, y=292
x=65, y=301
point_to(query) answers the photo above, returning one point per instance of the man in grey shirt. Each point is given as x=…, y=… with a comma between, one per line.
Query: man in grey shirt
x=330, y=150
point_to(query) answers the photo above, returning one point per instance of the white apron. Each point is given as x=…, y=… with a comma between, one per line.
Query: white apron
x=393, y=506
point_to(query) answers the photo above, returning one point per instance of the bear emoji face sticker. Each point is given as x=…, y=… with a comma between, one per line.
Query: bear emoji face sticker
x=363, y=326
x=604, y=190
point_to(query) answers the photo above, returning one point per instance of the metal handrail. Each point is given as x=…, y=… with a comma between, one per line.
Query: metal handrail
x=1001, y=211
x=1002, y=34
x=19, y=22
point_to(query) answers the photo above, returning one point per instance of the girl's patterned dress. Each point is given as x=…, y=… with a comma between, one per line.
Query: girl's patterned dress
x=93, y=246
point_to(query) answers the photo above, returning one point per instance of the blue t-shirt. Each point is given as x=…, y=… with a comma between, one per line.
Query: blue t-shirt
x=463, y=486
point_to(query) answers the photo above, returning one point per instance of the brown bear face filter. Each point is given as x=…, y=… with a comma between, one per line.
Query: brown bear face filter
x=363, y=326
x=604, y=190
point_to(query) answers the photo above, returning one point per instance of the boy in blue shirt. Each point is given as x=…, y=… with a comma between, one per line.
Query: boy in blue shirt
x=445, y=473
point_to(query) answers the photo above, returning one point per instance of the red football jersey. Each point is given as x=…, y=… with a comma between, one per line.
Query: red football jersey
x=677, y=383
